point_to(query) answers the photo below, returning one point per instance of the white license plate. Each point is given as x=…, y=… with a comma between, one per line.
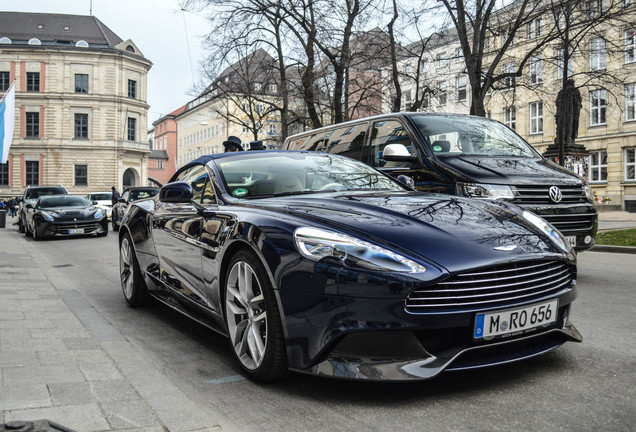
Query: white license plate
x=76, y=231
x=571, y=240
x=515, y=320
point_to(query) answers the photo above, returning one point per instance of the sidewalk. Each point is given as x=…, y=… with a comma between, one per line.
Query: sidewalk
x=616, y=220
x=86, y=378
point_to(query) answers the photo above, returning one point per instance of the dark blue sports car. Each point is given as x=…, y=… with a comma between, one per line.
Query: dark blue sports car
x=320, y=264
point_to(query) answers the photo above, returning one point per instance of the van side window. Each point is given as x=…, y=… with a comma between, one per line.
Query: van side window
x=348, y=141
x=317, y=142
x=384, y=133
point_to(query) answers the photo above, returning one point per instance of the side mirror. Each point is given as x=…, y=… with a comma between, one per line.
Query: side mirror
x=406, y=181
x=121, y=200
x=94, y=203
x=397, y=153
x=176, y=192
x=29, y=206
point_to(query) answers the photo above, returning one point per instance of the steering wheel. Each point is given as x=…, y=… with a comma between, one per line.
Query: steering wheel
x=331, y=186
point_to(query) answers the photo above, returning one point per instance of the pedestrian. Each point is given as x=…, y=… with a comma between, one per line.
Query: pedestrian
x=12, y=206
x=116, y=196
x=257, y=145
x=233, y=144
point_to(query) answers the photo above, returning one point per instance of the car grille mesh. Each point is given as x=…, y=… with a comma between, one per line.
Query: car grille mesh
x=493, y=287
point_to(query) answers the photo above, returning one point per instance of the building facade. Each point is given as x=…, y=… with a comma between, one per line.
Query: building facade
x=162, y=161
x=80, y=105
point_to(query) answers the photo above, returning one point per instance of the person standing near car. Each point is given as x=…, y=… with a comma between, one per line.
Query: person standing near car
x=233, y=144
x=115, y=196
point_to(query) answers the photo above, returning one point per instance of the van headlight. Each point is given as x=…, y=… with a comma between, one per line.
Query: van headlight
x=589, y=193
x=554, y=234
x=482, y=190
x=316, y=244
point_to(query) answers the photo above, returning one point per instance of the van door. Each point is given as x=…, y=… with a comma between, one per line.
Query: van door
x=392, y=131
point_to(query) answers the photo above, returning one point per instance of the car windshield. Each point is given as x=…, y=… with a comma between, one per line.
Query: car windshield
x=138, y=194
x=105, y=196
x=292, y=173
x=62, y=201
x=470, y=136
x=36, y=193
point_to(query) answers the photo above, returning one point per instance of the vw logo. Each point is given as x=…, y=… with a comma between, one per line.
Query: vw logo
x=555, y=194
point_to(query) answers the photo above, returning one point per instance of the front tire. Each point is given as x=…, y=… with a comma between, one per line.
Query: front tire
x=21, y=225
x=253, y=320
x=114, y=221
x=132, y=283
x=35, y=235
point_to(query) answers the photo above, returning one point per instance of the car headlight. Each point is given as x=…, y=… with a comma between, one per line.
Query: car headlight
x=98, y=214
x=482, y=190
x=316, y=244
x=47, y=216
x=554, y=234
x=589, y=193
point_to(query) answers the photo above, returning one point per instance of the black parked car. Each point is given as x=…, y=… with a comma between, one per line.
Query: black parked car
x=31, y=194
x=63, y=216
x=130, y=195
x=321, y=264
x=466, y=156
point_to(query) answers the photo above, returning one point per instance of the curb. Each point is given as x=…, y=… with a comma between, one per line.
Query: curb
x=614, y=249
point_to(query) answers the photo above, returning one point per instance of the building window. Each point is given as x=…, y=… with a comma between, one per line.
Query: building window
x=81, y=83
x=536, y=70
x=258, y=108
x=536, y=117
x=273, y=129
x=598, y=54
x=598, y=166
x=630, y=102
x=81, y=175
x=442, y=60
x=132, y=129
x=462, y=82
x=510, y=117
x=630, y=46
x=32, y=173
x=273, y=88
x=441, y=96
x=245, y=128
x=630, y=164
x=159, y=164
x=33, y=81
x=32, y=125
x=510, y=68
x=4, y=81
x=132, y=89
x=258, y=87
x=81, y=125
x=535, y=28
x=4, y=174
x=598, y=107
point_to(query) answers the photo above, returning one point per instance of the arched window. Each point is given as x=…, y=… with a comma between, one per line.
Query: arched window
x=34, y=41
x=130, y=48
x=129, y=178
x=5, y=40
x=81, y=44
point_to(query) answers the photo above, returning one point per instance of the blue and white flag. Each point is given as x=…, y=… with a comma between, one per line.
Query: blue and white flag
x=7, y=120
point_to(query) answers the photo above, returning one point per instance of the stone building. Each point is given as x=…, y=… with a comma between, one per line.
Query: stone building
x=81, y=109
x=162, y=161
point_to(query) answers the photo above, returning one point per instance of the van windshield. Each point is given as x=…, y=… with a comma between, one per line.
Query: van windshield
x=453, y=136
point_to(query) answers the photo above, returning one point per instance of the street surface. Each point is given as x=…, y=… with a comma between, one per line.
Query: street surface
x=585, y=387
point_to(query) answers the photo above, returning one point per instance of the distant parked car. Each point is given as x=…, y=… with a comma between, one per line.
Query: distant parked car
x=102, y=200
x=130, y=195
x=30, y=196
x=64, y=215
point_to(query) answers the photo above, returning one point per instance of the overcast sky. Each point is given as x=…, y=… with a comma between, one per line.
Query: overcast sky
x=157, y=28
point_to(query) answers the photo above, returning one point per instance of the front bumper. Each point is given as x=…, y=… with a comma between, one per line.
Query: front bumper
x=75, y=228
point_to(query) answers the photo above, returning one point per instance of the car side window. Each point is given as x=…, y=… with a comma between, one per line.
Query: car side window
x=384, y=133
x=348, y=141
x=126, y=195
x=208, y=194
x=196, y=176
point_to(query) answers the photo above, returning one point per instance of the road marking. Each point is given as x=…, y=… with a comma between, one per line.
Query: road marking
x=226, y=379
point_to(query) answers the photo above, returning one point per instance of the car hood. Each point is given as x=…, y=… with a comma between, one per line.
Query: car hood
x=510, y=170
x=440, y=228
x=71, y=213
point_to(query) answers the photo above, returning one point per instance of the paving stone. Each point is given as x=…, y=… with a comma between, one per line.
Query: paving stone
x=128, y=414
x=25, y=324
x=56, y=333
x=25, y=395
x=18, y=359
x=113, y=390
x=76, y=357
x=41, y=375
x=70, y=393
x=80, y=343
x=100, y=372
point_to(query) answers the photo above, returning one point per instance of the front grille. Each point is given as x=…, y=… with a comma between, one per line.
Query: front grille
x=88, y=227
x=540, y=194
x=494, y=287
x=571, y=223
